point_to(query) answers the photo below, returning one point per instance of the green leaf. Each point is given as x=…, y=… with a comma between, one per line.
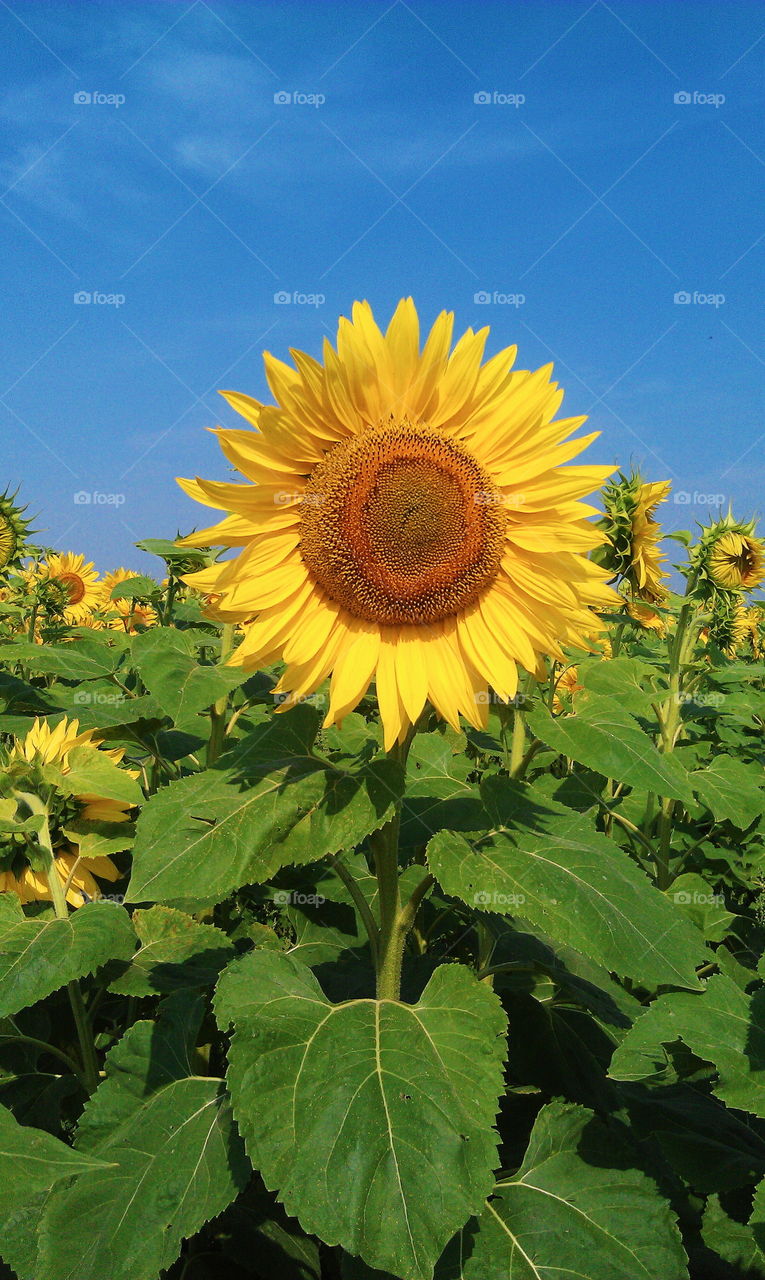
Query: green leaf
x=175, y=952
x=372, y=1120
x=620, y=679
x=605, y=737
x=205, y=835
x=438, y=794
x=578, y=886
x=167, y=663
x=176, y=1162
x=721, y=1025
x=133, y=588
x=734, y=1242
x=31, y=1162
x=731, y=790
x=575, y=1210
x=82, y=659
x=91, y=772
x=41, y=955
x=99, y=705
x=702, y=905
x=150, y=1055
x=98, y=839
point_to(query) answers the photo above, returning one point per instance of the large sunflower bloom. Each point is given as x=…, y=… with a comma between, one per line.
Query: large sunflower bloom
x=46, y=746
x=407, y=517
x=78, y=580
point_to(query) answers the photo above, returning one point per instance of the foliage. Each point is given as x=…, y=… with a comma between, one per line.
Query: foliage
x=487, y=1005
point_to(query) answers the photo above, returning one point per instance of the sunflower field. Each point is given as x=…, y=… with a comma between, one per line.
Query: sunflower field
x=382, y=881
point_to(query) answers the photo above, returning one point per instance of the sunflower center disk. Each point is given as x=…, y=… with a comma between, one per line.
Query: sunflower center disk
x=75, y=587
x=401, y=525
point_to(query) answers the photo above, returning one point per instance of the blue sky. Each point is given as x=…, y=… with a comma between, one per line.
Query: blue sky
x=576, y=193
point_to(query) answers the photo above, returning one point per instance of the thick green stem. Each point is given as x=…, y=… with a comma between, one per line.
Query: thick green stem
x=670, y=726
x=394, y=924
x=517, y=744
x=90, y=1068
x=219, y=712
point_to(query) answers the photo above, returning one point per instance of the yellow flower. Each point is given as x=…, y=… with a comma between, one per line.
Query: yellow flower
x=125, y=614
x=78, y=580
x=14, y=530
x=647, y=617
x=406, y=517
x=46, y=746
x=75, y=873
x=737, y=561
x=567, y=684
x=648, y=575
x=632, y=535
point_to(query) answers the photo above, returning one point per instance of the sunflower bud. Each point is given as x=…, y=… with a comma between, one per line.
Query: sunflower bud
x=14, y=531
x=728, y=558
x=631, y=552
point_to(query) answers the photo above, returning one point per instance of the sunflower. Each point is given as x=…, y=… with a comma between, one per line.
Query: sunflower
x=406, y=517
x=647, y=617
x=737, y=561
x=124, y=614
x=631, y=549
x=566, y=685
x=44, y=746
x=76, y=581
x=14, y=530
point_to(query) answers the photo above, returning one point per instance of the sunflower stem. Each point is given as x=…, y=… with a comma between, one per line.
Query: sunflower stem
x=219, y=710
x=90, y=1069
x=395, y=923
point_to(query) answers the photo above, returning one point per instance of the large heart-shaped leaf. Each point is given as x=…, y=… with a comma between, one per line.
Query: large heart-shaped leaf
x=31, y=1162
x=175, y=1163
x=579, y=887
x=605, y=737
x=207, y=834
x=722, y=1025
x=39, y=956
x=576, y=1209
x=372, y=1120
